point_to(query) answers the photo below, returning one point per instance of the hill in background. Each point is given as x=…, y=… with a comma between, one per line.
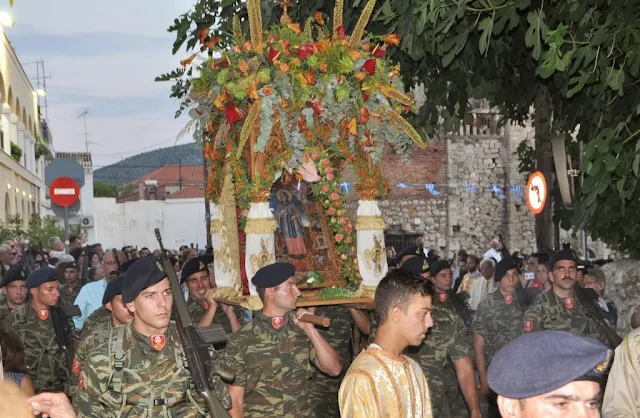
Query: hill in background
x=138, y=165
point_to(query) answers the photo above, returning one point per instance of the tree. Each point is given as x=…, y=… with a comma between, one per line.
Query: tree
x=102, y=189
x=576, y=62
x=38, y=232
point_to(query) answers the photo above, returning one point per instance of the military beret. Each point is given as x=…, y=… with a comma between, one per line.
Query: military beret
x=415, y=250
x=114, y=288
x=195, y=265
x=555, y=359
x=273, y=275
x=564, y=254
x=144, y=273
x=15, y=273
x=503, y=267
x=584, y=265
x=438, y=266
x=125, y=266
x=415, y=266
x=72, y=265
x=41, y=276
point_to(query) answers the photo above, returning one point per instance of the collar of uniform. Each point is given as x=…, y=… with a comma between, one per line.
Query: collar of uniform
x=193, y=305
x=265, y=322
x=144, y=340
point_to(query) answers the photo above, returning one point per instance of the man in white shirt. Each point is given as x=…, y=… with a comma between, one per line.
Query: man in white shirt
x=493, y=251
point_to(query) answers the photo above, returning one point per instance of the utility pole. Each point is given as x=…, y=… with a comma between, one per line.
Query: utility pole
x=83, y=115
x=180, y=173
x=207, y=205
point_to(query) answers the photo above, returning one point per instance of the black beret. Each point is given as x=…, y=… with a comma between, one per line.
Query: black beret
x=114, y=288
x=584, y=265
x=415, y=266
x=503, y=267
x=72, y=265
x=438, y=266
x=555, y=359
x=125, y=266
x=15, y=273
x=144, y=273
x=273, y=275
x=41, y=276
x=564, y=254
x=195, y=265
x=415, y=250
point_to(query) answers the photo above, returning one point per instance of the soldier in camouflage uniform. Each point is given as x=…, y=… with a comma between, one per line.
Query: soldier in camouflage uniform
x=445, y=354
x=272, y=356
x=497, y=322
x=45, y=361
x=14, y=287
x=560, y=309
x=339, y=336
x=140, y=371
x=70, y=289
x=203, y=309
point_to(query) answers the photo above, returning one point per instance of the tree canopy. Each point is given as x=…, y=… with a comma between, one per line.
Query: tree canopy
x=576, y=62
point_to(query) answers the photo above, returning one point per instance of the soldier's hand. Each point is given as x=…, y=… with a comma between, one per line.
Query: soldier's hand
x=53, y=405
x=210, y=303
x=228, y=309
x=484, y=388
x=305, y=326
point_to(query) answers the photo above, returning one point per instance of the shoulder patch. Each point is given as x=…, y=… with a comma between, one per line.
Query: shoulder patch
x=528, y=326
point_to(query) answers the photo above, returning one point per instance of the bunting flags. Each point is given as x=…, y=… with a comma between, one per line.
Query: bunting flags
x=496, y=190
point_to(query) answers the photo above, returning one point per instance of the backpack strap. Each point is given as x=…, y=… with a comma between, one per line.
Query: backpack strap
x=118, y=357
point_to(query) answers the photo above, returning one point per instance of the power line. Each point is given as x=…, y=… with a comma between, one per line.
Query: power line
x=150, y=147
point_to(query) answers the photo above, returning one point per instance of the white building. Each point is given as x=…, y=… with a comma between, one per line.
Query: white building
x=21, y=173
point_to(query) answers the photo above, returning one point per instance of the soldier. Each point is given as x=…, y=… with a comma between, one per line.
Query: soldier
x=140, y=371
x=560, y=309
x=408, y=253
x=272, y=355
x=69, y=291
x=339, y=336
x=203, y=309
x=445, y=354
x=560, y=376
x=45, y=361
x=497, y=322
x=14, y=287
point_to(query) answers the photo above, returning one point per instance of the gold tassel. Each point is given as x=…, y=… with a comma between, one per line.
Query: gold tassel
x=397, y=96
x=229, y=254
x=338, y=10
x=405, y=126
x=255, y=24
x=237, y=30
x=249, y=122
x=363, y=21
x=308, y=27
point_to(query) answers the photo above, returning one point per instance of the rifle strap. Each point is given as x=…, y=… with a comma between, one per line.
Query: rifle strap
x=118, y=356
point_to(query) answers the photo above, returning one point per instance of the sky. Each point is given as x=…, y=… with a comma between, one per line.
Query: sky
x=102, y=57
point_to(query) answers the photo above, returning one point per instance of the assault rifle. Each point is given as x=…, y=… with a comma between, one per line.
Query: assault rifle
x=597, y=315
x=196, y=342
x=85, y=267
x=60, y=316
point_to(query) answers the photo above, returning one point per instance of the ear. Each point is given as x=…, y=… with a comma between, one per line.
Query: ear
x=550, y=274
x=396, y=312
x=108, y=306
x=131, y=307
x=508, y=407
x=33, y=291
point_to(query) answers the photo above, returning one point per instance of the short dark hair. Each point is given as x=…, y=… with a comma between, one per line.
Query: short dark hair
x=474, y=258
x=73, y=238
x=12, y=351
x=396, y=289
x=543, y=258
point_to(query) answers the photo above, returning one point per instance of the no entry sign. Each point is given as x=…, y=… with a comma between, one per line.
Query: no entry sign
x=64, y=191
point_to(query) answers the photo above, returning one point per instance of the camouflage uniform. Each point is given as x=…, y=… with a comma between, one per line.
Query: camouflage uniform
x=92, y=339
x=550, y=312
x=45, y=361
x=69, y=296
x=498, y=322
x=147, y=383
x=273, y=366
x=197, y=311
x=339, y=335
x=5, y=310
x=445, y=343
x=101, y=315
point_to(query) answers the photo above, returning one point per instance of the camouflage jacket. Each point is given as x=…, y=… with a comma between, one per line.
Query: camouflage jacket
x=550, y=312
x=148, y=382
x=45, y=361
x=273, y=366
x=340, y=334
x=101, y=315
x=5, y=310
x=69, y=296
x=92, y=339
x=499, y=321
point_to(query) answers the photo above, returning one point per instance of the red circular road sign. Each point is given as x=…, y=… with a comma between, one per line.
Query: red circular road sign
x=64, y=191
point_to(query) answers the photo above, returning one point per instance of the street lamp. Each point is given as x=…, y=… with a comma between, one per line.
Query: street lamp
x=6, y=19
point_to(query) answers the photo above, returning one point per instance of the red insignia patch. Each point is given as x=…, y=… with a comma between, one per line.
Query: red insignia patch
x=508, y=300
x=442, y=297
x=43, y=314
x=77, y=366
x=81, y=382
x=528, y=326
x=569, y=303
x=277, y=322
x=158, y=341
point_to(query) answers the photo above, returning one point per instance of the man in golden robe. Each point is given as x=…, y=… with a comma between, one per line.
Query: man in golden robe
x=622, y=395
x=382, y=381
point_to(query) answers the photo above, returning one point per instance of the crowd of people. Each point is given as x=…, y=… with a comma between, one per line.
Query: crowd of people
x=492, y=335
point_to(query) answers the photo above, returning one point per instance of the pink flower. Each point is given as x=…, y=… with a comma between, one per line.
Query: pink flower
x=349, y=240
x=325, y=188
x=348, y=228
x=343, y=257
x=335, y=196
x=245, y=213
x=325, y=162
x=339, y=237
x=314, y=155
x=331, y=211
x=329, y=176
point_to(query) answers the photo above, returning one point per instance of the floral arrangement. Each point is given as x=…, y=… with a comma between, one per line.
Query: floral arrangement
x=335, y=293
x=311, y=279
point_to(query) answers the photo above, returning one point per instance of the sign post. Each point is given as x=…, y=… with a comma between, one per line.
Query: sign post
x=65, y=192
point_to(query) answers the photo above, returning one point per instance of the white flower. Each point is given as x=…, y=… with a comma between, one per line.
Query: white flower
x=310, y=280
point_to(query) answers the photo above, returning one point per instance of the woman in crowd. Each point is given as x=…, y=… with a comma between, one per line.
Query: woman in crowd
x=13, y=361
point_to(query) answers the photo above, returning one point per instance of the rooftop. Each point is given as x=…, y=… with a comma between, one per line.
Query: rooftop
x=83, y=158
x=191, y=175
x=193, y=192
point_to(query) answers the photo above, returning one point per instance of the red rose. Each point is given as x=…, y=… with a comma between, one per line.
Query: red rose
x=348, y=228
x=335, y=196
x=331, y=211
x=339, y=237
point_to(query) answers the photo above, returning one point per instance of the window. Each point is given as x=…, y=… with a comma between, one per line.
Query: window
x=401, y=241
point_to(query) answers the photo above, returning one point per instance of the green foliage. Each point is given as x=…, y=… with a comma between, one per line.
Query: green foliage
x=38, y=232
x=526, y=158
x=102, y=189
x=16, y=151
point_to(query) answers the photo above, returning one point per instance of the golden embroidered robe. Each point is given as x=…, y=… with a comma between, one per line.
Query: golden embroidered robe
x=622, y=395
